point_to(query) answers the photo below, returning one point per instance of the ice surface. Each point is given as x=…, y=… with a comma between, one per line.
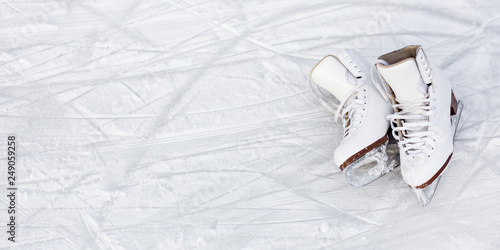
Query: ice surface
x=189, y=125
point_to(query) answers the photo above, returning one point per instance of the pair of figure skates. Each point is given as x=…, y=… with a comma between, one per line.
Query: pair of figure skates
x=405, y=94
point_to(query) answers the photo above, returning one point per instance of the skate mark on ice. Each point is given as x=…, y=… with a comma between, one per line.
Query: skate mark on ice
x=247, y=105
x=123, y=144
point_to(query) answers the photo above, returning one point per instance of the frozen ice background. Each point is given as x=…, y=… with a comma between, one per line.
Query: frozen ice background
x=189, y=125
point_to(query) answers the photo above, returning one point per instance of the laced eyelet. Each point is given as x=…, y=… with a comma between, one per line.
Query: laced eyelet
x=430, y=76
x=345, y=55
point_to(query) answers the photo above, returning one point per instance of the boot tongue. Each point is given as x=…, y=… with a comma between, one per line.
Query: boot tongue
x=333, y=76
x=404, y=79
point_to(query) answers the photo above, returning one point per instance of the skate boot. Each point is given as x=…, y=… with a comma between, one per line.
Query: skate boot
x=425, y=119
x=362, y=154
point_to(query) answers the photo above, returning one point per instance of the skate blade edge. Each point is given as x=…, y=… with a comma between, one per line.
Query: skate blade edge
x=371, y=166
x=426, y=194
x=455, y=119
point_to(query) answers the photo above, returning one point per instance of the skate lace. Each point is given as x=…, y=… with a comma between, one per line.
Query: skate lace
x=351, y=110
x=411, y=126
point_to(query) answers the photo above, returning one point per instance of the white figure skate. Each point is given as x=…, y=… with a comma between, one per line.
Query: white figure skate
x=362, y=154
x=425, y=119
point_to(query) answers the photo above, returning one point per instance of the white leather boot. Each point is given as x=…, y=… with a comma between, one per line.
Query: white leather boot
x=362, y=154
x=424, y=104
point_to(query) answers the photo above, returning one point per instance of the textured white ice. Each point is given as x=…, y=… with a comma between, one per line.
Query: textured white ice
x=189, y=124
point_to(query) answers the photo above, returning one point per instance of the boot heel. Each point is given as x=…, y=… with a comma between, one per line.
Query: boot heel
x=453, y=105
